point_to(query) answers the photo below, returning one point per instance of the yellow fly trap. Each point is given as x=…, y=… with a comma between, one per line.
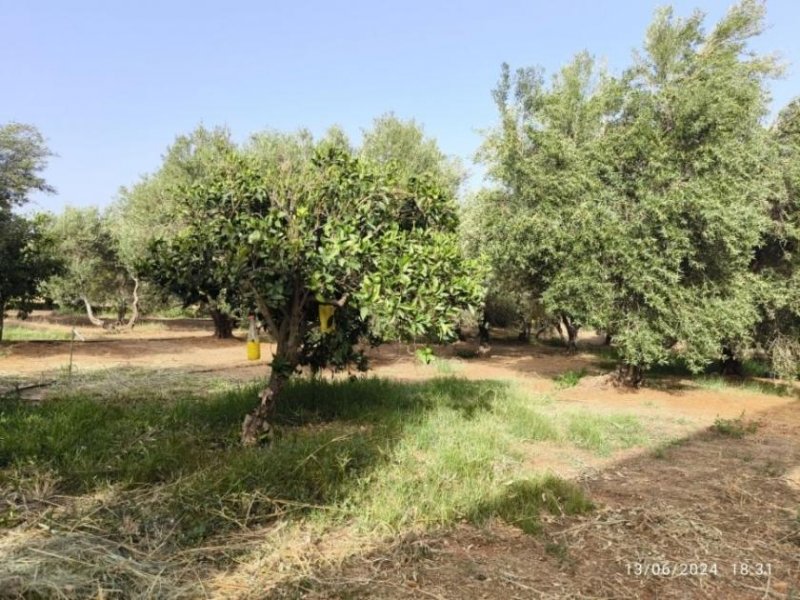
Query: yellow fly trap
x=326, y=325
x=253, y=341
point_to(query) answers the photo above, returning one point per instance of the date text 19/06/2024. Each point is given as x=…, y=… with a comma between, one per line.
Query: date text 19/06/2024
x=699, y=569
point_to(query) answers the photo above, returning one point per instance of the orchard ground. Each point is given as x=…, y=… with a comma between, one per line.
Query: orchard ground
x=522, y=474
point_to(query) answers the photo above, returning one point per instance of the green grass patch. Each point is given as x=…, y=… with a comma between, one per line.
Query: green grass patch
x=20, y=333
x=605, y=433
x=164, y=472
x=569, y=378
x=719, y=383
x=735, y=428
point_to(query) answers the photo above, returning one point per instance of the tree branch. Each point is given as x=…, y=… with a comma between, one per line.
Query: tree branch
x=264, y=310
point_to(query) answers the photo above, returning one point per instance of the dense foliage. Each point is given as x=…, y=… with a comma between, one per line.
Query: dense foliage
x=636, y=205
x=26, y=253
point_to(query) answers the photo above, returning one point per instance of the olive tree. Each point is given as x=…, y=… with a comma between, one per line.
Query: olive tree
x=23, y=156
x=27, y=258
x=777, y=333
x=93, y=275
x=543, y=157
x=302, y=229
x=150, y=210
x=649, y=192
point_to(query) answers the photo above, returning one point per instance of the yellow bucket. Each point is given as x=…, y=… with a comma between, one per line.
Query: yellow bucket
x=326, y=323
x=253, y=350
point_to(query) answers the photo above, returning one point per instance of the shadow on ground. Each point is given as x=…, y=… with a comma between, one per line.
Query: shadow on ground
x=721, y=512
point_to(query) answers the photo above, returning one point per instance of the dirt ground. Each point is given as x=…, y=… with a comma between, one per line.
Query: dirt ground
x=710, y=517
x=188, y=345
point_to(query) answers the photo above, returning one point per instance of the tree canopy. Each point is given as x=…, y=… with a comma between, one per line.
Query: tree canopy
x=292, y=225
x=635, y=204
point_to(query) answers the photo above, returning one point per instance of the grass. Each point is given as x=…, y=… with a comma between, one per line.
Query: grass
x=569, y=379
x=735, y=428
x=19, y=333
x=716, y=382
x=164, y=475
x=448, y=366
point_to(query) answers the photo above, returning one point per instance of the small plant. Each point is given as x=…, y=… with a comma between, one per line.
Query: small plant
x=425, y=355
x=569, y=379
x=660, y=451
x=735, y=428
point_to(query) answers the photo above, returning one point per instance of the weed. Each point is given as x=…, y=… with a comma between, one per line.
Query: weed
x=557, y=550
x=520, y=502
x=661, y=451
x=425, y=355
x=735, y=428
x=569, y=379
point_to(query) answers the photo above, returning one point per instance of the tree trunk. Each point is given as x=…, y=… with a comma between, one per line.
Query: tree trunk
x=730, y=364
x=608, y=339
x=525, y=332
x=134, y=306
x=223, y=324
x=483, y=330
x=2, y=317
x=92, y=319
x=257, y=429
x=572, y=333
x=122, y=308
x=630, y=375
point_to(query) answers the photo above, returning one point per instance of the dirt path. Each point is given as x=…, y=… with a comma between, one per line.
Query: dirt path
x=720, y=513
x=188, y=347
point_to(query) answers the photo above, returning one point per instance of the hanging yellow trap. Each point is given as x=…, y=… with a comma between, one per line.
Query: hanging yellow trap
x=253, y=342
x=326, y=323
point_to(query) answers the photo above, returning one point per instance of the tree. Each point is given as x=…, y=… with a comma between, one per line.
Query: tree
x=303, y=230
x=777, y=333
x=23, y=155
x=543, y=157
x=92, y=275
x=392, y=140
x=644, y=198
x=151, y=210
x=27, y=258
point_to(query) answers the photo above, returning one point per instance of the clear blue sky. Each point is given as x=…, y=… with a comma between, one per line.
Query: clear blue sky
x=110, y=84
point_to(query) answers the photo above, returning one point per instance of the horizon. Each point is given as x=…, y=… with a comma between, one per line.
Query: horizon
x=110, y=87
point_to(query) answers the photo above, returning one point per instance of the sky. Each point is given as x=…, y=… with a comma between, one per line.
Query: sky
x=110, y=84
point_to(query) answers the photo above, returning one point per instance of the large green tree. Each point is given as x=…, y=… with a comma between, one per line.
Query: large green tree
x=23, y=156
x=152, y=210
x=644, y=198
x=93, y=274
x=27, y=258
x=295, y=230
